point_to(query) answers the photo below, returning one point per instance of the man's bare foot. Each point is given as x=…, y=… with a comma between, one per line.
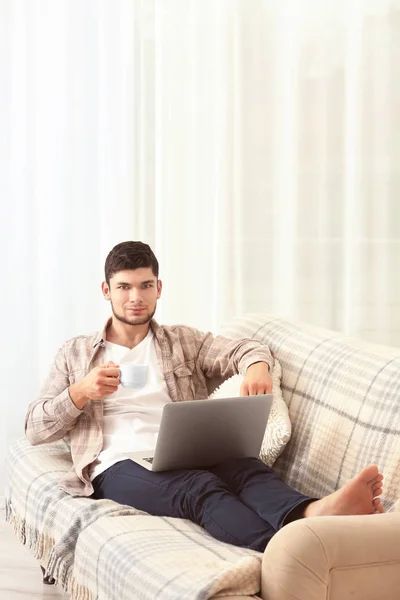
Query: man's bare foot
x=359, y=496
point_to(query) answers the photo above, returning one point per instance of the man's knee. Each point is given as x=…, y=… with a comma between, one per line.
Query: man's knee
x=202, y=483
x=202, y=488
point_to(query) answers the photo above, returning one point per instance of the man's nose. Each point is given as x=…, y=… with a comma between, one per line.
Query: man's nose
x=134, y=295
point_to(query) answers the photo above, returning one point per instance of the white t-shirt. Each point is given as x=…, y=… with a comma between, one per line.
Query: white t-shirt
x=132, y=416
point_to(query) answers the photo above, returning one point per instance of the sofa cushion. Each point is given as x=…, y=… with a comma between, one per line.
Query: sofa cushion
x=278, y=430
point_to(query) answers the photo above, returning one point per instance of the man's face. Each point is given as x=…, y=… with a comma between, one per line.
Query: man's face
x=133, y=295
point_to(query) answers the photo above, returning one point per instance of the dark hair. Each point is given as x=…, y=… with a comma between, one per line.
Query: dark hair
x=130, y=255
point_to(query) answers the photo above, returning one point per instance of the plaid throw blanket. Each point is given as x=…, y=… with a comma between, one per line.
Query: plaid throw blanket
x=79, y=540
x=343, y=396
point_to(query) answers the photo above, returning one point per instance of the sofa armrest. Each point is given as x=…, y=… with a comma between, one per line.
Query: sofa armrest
x=334, y=558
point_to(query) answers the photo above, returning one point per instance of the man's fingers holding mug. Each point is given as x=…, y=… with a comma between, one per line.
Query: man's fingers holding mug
x=109, y=372
x=110, y=363
x=112, y=382
x=113, y=370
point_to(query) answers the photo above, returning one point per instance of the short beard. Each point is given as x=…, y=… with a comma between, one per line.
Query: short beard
x=143, y=321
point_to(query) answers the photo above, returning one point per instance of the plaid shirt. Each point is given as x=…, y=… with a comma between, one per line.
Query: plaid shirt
x=188, y=358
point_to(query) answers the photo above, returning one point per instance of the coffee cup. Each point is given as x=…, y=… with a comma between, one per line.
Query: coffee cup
x=133, y=376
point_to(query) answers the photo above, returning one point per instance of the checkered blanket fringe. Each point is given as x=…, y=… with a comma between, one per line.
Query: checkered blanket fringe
x=41, y=547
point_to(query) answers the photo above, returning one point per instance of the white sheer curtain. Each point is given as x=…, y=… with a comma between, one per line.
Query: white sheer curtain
x=278, y=153
x=253, y=144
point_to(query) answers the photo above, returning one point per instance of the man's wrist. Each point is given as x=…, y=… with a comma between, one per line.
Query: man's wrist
x=77, y=396
x=259, y=362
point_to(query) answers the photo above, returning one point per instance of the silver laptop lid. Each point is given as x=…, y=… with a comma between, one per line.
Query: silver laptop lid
x=203, y=433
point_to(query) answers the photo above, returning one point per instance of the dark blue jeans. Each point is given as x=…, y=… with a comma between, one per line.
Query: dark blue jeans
x=241, y=501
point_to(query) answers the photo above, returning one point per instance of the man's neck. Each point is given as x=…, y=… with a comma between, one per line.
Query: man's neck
x=126, y=335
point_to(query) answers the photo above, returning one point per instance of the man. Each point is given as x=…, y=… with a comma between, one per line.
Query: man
x=241, y=501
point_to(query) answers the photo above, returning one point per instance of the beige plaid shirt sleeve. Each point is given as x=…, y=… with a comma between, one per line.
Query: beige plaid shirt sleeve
x=53, y=414
x=223, y=357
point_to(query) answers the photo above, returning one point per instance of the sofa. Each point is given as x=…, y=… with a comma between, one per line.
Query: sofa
x=343, y=396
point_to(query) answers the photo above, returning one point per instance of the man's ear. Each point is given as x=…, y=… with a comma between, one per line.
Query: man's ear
x=159, y=288
x=106, y=290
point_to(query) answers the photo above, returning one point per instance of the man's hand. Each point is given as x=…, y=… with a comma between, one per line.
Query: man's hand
x=99, y=383
x=257, y=381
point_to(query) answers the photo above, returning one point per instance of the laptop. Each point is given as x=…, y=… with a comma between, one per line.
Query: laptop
x=203, y=433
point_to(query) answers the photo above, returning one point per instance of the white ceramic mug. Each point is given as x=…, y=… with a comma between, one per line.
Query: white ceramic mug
x=133, y=376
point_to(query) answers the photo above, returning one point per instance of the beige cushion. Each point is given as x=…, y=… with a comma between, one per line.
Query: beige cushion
x=278, y=430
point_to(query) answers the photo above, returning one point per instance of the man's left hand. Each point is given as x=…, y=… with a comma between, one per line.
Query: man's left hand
x=257, y=381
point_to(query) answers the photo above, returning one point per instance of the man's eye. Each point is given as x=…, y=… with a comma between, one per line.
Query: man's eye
x=147, y=285
x=122, y=287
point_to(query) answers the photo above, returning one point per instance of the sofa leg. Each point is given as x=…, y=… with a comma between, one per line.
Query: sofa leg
x=47, y=580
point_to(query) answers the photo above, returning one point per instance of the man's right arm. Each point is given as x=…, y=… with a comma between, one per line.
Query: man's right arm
x=51, y=416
